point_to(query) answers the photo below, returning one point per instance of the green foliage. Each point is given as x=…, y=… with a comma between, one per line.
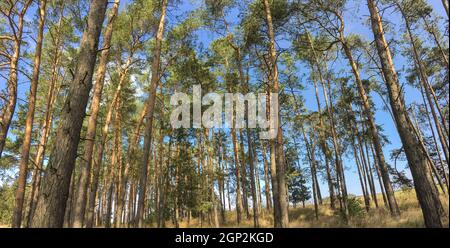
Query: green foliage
x=298, y=190
x=355, y=207
x=6, y=203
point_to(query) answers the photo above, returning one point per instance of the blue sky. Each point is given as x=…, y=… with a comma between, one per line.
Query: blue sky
x=356, y=22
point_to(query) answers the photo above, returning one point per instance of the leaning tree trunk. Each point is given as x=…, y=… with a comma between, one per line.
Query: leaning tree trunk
x=423, y=78
x=81, y=196
x=23, y=166
x=427, y=194
x=393, y=206
x=56, y=182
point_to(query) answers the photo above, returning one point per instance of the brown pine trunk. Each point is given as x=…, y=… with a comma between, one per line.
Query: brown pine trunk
x=211, y=179
x=56, y=182
x=7, y=112
x=82, y=192
x=338, y=160
x=244, y=174
x=441, y=162
x=131, y=151
x=101, y=145
x=149, y=115
x=266, y=178
x=252, y=162
x=238, y=174
x=312, y=163
x=324, y=146
x=393, y=206
x=427, y=88
x=45, y=130
x=427, y=195
x=277, y=144
x=23, y=166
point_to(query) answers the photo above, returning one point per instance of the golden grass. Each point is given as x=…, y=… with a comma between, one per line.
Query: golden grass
x=411, y=216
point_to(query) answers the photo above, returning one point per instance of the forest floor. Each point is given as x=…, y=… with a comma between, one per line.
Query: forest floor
x=411, y=215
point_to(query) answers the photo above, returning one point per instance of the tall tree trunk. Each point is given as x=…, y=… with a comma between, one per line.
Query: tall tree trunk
x=252, y=162
x=312, y=162
x=23, y=166
x=56, y=182
x=423, y=78
x=98, y=160
x=338, y=160
x=266, y=178
x=238, y=174
x=81, y=197
x=324, y=145
x=283, y=220
x=154, y=81
x=211, y=178
x=441, y=162
x=244, y=174
x=46, y=128
x=393, y=206
x=129, y=160
x=7, y=112
x=427, y=195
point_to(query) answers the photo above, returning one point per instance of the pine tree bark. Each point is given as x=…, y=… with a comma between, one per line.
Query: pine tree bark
x=56, y=182
x=82, y=192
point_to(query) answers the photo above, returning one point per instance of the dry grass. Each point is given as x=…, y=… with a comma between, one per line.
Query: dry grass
x=411, y=216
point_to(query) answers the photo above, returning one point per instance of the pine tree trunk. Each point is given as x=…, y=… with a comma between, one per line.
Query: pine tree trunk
x=98, y=160
x=393, y=206
x=266, y=178
x=56, y=181
x=427, y=195
x=338, y=160
x=23, y=164
x=82, y=192
x=154, y=81
x=277, y=144
x=7, y=111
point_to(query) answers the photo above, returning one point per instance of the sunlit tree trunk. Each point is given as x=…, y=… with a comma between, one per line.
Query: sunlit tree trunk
x=25, y=155
x=154, y=81
x=85, y=165
x=277, y=145
x=56, y=181
x=427, y=195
